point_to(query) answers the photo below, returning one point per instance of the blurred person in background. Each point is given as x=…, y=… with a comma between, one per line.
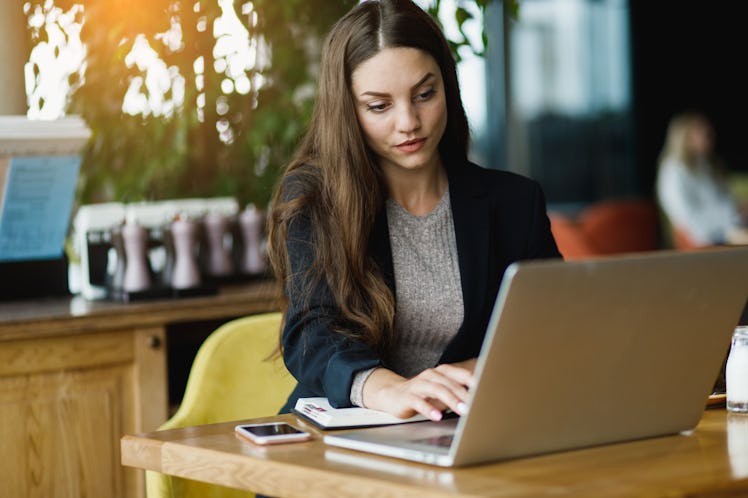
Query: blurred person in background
x=692, y=190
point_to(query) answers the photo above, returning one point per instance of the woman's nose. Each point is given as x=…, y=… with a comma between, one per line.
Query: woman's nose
x=408, y=119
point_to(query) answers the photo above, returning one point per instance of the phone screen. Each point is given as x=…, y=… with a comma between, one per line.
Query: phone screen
x=272, y=433
x=279, y=429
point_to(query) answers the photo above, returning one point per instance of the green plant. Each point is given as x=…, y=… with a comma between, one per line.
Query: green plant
x=217, y=140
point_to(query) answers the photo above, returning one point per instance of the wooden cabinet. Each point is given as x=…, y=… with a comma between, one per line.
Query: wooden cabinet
x=76, y=376
x=64, y=403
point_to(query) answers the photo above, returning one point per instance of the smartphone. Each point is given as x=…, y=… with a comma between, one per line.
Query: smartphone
x=272, y=433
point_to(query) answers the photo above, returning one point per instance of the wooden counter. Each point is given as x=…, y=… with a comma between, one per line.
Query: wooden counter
x=77, y=375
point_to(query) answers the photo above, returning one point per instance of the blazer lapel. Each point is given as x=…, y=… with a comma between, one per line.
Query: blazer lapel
x=471, y=213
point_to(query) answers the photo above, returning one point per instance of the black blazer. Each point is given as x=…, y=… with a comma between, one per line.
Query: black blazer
x=499, y=218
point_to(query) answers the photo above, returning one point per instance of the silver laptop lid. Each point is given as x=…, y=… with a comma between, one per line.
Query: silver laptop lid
x=591, y=352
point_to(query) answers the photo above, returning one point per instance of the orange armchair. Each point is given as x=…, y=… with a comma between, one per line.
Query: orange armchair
x=607, y=227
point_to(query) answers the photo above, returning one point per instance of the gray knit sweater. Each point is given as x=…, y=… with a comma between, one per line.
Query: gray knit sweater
x=429, y=308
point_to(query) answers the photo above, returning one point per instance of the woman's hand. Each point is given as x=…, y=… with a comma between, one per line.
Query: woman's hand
x=428, y=393
x=467, y=365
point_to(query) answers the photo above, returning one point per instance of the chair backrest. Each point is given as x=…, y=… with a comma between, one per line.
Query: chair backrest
x=233, y=377
x=572, y=242
x=621, y=225
x=612, y=226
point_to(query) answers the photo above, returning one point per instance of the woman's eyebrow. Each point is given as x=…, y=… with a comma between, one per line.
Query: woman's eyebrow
x=423, y=80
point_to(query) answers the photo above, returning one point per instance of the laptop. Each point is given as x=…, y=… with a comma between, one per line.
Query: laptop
x=585, y=353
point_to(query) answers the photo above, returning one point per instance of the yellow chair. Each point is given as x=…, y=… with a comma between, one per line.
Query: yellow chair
x=231, y=378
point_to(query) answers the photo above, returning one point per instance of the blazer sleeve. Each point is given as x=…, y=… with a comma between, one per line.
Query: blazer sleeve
x=322, y=361
x=541, y=243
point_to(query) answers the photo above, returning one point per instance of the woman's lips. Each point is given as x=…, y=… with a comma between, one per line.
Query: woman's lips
x=411, y=145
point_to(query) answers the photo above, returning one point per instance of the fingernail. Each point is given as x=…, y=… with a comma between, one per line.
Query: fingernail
x=436, y=415
x=462, y=408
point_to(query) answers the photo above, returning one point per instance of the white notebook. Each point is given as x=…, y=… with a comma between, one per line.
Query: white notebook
x=322, y=414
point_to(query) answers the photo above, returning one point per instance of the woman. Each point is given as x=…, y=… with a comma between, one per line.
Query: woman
x=691, y=188
x=389, y=243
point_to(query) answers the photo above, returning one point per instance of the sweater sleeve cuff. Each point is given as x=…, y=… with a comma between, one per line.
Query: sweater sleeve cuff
x=357, y=387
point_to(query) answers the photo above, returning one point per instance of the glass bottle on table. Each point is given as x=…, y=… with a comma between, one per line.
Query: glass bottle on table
x=736, y=372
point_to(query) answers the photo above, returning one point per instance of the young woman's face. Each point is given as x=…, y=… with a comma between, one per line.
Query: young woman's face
x=400, y=104
x=700, y=138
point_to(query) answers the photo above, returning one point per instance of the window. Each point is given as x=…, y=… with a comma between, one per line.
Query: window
x=559, y=91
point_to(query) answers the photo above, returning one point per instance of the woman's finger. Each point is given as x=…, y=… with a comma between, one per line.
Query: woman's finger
x=431, y=385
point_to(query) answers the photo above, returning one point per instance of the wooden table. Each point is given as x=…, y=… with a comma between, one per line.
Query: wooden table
x=76, y=375
x=709, y=461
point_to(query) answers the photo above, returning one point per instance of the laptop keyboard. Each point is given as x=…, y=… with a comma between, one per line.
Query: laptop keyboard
x=443, y=441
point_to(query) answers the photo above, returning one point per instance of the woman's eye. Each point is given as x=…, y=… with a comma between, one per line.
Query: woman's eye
x=425, y=95
x=376, y=107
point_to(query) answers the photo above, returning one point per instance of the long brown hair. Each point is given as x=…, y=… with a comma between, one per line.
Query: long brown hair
x=334, y=181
